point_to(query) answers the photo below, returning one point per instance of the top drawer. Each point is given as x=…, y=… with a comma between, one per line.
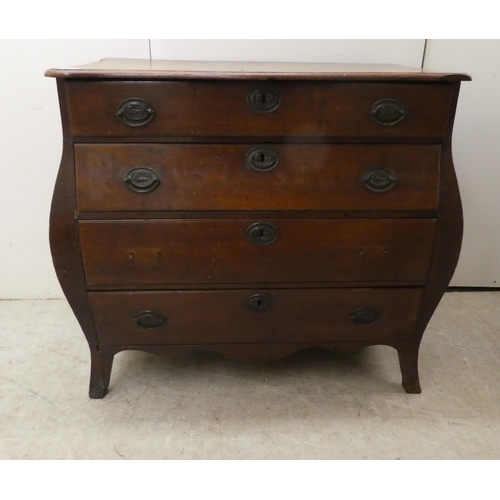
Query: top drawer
x=200, y=109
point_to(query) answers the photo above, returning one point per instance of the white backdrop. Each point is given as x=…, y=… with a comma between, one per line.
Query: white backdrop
x=31, y=140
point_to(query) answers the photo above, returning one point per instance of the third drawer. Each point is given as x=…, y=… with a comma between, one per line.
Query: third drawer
x=209, y=251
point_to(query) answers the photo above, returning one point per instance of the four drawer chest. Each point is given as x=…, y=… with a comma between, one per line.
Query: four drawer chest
x=254, y=209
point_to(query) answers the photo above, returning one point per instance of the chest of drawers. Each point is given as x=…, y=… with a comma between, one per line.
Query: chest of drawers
x=254, y=209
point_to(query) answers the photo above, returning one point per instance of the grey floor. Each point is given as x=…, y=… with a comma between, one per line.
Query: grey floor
x=312, y=405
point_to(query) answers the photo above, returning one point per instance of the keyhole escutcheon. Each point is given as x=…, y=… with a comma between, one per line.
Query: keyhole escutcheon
x=264, y=100
x=262, y=233
x=262, y=159
x=259, y=301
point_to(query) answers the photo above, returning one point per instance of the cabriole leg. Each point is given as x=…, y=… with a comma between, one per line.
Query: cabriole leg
x=408, y=361
x=101, y=362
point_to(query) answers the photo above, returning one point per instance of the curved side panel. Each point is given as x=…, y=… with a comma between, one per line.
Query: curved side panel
x=66, y=255
x=65, y=245
x=449, y=232
x=447, y=245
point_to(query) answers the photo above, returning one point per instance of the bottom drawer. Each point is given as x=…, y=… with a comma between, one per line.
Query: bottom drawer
x=249, y=316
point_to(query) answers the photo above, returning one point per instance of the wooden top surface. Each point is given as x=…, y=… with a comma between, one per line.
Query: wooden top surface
x=144, y=69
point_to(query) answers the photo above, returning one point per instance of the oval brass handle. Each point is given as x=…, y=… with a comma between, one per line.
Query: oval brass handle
x=262, y=159
x=150, y=319
x=135, y=112
x=379, y=180
x=264, y=100
x=388, y=111
x=365, y=316
x=142, y=180
x=259, y=302
x=262, y=233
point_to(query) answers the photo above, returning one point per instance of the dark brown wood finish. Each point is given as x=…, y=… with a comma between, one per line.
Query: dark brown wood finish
x=219, y=177
x=184, y=109
x=218, y=251
x=66, y=255
x=186, y=239
x=296, y=316
x=251, y=286
x=100, y=372
x=290, y=214
x=257, y=140
x=446, y=252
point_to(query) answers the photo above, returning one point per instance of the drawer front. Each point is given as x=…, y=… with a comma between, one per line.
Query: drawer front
x=224, y=109
x=245, y=316
x=204, y=177
x=253, y=251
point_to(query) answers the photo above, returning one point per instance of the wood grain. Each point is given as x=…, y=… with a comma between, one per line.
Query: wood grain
x=217, y=251
x=203, y=317
x=64, y=235
x=182, y=249
x=145, y=69
x=308, y=109
x=217, y=177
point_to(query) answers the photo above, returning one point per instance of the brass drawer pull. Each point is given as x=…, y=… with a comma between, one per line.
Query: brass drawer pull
x=264, y=100
x=135, y=112
x=150, y=319
x=379, y=180
x=262, y=159
x=262, y=233
x=365, y=316
x=388, y=111
x=142, y=180
x=259, y=302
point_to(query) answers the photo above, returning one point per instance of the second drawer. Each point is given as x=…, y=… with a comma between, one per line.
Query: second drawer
x=156, y=252
x=140, y=177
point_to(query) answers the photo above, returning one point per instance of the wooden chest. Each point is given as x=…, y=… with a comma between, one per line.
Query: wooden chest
x=254, y=209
